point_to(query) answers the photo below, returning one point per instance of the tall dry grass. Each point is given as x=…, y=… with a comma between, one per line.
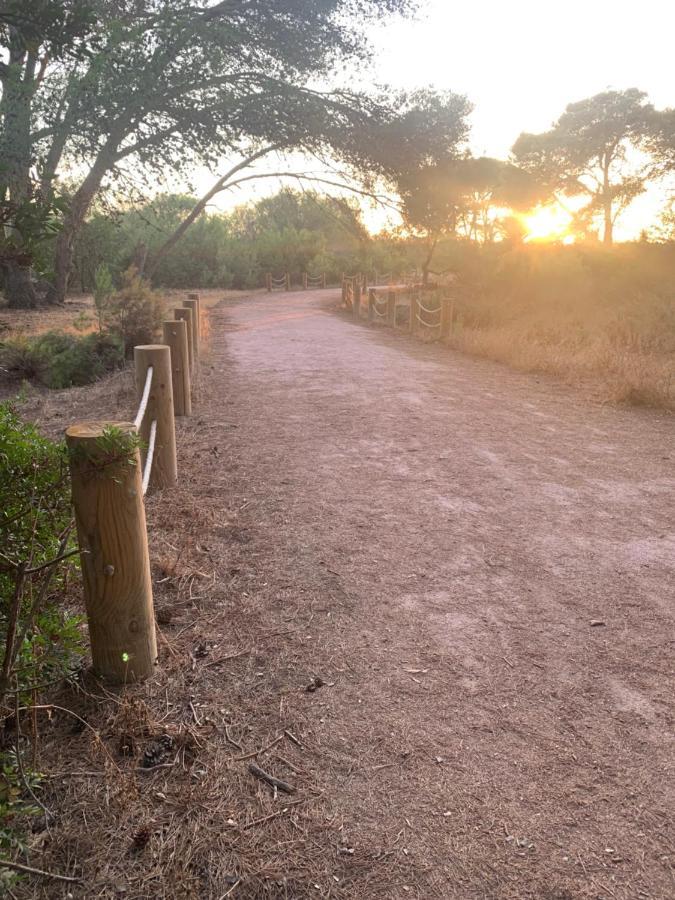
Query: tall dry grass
x=586, y=314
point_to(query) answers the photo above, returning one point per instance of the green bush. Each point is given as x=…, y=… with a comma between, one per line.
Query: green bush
x=40, y=640
x=60, y=360
x=134, y=313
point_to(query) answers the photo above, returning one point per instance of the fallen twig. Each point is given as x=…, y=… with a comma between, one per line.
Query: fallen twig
x=258, y=752
x=270, y=779
x=29, y=870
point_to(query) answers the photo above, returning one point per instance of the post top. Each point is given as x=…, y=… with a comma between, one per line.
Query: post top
x=88, y=431
x=146, y=347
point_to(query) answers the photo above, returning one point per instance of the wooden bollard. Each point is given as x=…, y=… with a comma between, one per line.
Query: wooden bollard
x=323, y=281
x=175, y=337
x=304, y=281
x=195, y=296
x=288, y=281
x=356, y=298
x=268, y=282
x=113, y=541
x=183, y=314
x=413, y=312
x=193, y=305
x=391, y=308
x=371, y=305
x=164, y=472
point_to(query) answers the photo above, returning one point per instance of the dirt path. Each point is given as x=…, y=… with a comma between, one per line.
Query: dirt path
x=486, y=561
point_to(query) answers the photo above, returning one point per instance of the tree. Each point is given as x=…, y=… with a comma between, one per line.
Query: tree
x=593, y=150
x=464, y=195
x=157, y=87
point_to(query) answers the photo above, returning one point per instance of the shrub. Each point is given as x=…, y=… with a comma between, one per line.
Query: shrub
x=60, y=360
x=103, y=290
x=135, y=311
x=40, y=640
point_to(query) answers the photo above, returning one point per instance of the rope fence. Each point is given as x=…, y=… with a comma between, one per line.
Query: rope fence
x=434, y=316
x=113, y=465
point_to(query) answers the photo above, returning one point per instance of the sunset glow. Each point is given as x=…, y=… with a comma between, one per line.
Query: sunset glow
x=548, y=223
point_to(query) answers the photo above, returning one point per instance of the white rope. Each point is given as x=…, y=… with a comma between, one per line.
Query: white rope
x=148, y=459
x=427, y=310
x=144, y=399
x=424, y=322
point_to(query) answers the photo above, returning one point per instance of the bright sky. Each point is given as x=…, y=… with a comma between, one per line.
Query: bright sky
x=521, y=62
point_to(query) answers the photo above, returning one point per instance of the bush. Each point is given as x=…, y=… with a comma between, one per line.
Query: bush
x=134, y=313
x=40, y=641
x=62, y=360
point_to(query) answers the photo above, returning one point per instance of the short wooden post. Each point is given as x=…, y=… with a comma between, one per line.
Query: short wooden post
x=413, y=312
x=288, y=281
x=268, y=282
x=113, y=541
x=193, y=306
x=164, y=472
x=185, y=315
x=391, y=308
x=304, y=281
x=175, y=337
x=323, y=281
x=452, y=317
x=344, y=289
x=371, y=305
x=356, y=298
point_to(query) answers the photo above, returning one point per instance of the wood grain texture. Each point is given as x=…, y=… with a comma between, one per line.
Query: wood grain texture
x=175, y=337
x=182, y=314
x=112, y=535
x=160, y=409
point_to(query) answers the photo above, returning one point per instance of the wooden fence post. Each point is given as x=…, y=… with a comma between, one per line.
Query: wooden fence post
x=323, y=281
x=193, y=306
x=288, y=281
x=413, y=312
x=356, y=298
x=175, y=337
x=268, y=282
x=112, y=535
x=391, y=308
x=164, y=472
x=304, y=281
x=199, y=313
x=185, y=315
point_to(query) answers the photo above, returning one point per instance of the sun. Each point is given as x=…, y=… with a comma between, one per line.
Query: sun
x=548, y=224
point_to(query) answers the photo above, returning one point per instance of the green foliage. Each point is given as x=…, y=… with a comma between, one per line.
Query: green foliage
x=134, y=312
x=60, y=360
x=34, y=516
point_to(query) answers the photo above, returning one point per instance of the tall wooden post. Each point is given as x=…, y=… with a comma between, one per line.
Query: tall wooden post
x=304, y=281
x=185, y=315
x=323, y=281
x=268, y=282
x=391, y=308
x=356, y=298
x=196, y=297
x=371, y=305
x=113, y=541
x=164, y=472
x=452, y=317
x=193, y=306
x=344, y=289
x=288, y=281
x=413, y=312
x=175, y=337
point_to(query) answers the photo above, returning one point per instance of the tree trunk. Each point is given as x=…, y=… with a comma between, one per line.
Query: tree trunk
x=427, y=262
x=608, y=233
x=19, y=288
x=607, y=236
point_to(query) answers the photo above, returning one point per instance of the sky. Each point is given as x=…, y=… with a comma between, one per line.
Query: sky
x=521, y=62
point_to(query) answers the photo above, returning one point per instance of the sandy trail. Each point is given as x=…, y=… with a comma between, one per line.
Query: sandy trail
x=459, y=532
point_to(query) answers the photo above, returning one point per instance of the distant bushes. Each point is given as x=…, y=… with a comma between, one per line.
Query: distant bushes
x=133, y=313
x=59, y=360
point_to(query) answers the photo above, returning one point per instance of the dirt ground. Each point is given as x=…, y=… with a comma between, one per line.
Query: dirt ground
x=476, y=565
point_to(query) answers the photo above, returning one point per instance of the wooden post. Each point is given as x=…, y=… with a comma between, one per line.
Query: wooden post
x=175, y=337
x=112, y=535
x=323, y=281
x=371, y=305
x=356, y=298
x=413, y=312
x=452, y=317
x=391, y=308
x=199, y=313
x=193, y=306
x=304, y=281
x=344, y=289
x=164, y=472
x=182, y=314
x=288, y=281
x=268, y=282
